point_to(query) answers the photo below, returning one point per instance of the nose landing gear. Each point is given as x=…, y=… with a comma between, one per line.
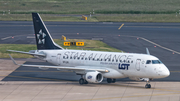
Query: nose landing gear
x=147, y=84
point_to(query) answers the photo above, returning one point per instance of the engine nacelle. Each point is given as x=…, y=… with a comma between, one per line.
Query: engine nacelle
x=94, y=77
x=43, y=68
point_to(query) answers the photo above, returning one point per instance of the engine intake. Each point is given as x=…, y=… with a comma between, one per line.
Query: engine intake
x=94, y=77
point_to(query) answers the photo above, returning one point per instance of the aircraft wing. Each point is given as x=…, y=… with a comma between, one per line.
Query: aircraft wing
x=76, y=68
x=27, y=53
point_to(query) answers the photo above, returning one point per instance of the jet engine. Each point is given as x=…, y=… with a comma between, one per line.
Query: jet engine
x=94, y=77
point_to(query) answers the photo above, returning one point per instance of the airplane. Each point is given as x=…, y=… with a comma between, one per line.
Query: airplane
x=93, y=66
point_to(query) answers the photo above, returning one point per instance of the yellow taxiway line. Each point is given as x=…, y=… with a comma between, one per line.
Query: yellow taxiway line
x=120, y=26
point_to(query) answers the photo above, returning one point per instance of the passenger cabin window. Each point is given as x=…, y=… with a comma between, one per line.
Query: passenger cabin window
x=156, y=62
x=148, y=62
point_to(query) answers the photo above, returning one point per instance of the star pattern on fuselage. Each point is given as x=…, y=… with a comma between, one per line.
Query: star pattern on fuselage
x=41, y=37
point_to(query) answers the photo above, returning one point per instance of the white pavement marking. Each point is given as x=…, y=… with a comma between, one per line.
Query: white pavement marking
x=14, y=36
x=6, y=38
x=160, y=45
x=30, y=36
x=153, y=43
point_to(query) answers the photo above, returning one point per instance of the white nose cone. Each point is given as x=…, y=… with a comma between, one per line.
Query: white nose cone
x=165, y=72
x=168, y=72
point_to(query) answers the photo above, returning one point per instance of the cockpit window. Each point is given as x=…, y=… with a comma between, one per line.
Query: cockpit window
x=148, y=62
x=156, y=62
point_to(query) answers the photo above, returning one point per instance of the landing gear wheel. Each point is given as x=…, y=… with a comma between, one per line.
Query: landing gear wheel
x=148, y=86
x=147, y=83
x=113, y=80
x=109, y=80
x=81, y=81
x=85, y=82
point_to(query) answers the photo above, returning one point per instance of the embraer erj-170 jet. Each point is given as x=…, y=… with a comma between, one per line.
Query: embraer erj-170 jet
x=93, y=66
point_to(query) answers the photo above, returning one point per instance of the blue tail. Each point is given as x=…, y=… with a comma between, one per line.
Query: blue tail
x=44, y=40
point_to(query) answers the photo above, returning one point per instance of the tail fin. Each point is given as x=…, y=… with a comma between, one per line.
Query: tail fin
x=44, y=40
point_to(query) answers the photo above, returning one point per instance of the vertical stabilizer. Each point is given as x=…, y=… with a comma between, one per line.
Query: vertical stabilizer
x=44, y=40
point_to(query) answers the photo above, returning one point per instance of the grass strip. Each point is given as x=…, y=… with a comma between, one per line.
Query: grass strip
x=138, y=18
x=93, y=45
x=97, y=18
x=87, y=6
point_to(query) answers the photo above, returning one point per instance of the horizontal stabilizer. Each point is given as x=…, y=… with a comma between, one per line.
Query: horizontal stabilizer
x=27, y=53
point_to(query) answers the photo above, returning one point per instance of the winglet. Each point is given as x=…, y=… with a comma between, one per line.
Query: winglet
x=147, y=51
x=13, y=60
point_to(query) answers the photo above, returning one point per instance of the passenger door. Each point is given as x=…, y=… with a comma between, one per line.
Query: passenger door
x=138, y=61
x=59, y=59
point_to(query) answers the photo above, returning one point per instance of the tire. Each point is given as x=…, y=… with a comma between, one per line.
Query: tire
x=85, y=82
x=109, y=80
x=81, y=81
x=148, y=86
x=113, y=80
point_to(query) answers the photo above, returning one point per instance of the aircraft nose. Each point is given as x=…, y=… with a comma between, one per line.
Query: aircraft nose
x=165, y=72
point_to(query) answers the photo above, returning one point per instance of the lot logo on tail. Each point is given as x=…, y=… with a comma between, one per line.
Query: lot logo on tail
x=41, y=37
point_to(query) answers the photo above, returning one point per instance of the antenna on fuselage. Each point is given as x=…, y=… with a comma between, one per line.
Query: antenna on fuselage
x=147, y=51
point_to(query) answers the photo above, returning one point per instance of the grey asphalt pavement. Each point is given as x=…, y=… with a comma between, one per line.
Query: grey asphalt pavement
x=130, y=38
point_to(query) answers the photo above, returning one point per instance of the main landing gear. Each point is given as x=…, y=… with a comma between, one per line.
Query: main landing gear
x=109, y=80
x=82, y=81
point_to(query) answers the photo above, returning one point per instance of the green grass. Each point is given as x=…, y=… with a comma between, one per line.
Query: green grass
x=20, y=47
x=45, y=17
x=86, y=6
x=98, y=18
x=109, y=10
x=89, y=45
x=138, y=18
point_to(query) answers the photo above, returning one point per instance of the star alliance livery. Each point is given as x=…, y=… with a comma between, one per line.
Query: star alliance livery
x=93, y=66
